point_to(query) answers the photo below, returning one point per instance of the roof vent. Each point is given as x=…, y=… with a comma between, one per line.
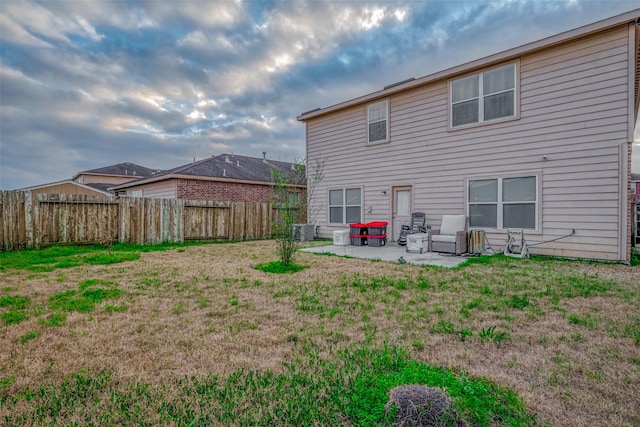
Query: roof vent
x=224, y=172
x=238, y=163
x=226, y=159
x=399, y=83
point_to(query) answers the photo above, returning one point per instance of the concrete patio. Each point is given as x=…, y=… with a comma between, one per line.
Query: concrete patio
x=390, y=252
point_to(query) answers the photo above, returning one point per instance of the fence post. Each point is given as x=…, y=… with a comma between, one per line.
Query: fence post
x=178, y=218
x=28, y=218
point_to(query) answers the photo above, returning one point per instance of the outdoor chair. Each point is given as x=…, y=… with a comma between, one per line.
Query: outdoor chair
x=417, y=225
x=452, y=236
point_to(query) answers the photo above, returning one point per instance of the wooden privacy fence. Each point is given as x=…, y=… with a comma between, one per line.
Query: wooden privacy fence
x=44, y=219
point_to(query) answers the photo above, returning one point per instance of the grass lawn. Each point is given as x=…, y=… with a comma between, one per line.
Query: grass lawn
x=197, y=335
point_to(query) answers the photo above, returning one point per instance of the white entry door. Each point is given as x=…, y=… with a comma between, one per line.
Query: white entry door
x=401, y=210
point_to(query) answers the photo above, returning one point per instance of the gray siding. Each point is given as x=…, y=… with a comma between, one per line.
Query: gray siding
x=160, y=190
x=573, y=111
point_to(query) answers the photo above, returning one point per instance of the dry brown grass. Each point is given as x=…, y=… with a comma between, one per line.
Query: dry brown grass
x=574, y=359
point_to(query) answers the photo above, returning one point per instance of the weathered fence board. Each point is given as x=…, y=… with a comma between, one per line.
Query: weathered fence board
x=72, y=219
x=45, y=219
x=14, y=205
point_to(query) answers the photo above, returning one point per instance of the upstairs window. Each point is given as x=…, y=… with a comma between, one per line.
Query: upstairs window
x=345, y=206
x=483, y=97
x=378, y=122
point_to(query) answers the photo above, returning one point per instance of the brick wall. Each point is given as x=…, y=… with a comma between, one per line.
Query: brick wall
x=222, y=191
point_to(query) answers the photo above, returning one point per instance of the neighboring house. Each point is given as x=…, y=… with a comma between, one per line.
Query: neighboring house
x=226, y=177
x=537, y=137
x=67, y=187
x=95, y=182
x=109, y=176
x=635, y=188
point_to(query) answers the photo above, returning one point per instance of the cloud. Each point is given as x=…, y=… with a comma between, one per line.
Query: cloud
x=87, y=84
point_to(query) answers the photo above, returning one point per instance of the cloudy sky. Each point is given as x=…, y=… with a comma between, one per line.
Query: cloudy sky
x=86, y=84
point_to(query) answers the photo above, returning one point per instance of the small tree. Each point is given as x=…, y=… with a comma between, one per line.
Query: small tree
x=291, y=200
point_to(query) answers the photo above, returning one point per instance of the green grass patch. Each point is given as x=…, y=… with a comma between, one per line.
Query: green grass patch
x=55, y=319
x=478, y=400
x=17, y=309
x=14, y=316
x=7, y=382
x=587, y=320
x=112, y=308
x=111, y=258
x=66, y=256
x=278, y=267
x=29, y=336
x=635, y=257
x=350, y=388
x=519, y=302
x=84, y=300
x=491, y=334
x=16, y=302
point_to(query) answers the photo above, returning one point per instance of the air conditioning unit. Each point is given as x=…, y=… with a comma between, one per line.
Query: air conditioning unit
x=303, y=232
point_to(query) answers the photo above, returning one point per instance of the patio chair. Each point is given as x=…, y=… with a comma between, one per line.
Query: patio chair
x=417, y=225
x=452, y=236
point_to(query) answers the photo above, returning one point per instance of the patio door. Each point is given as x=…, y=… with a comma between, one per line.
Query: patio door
x=401, y=210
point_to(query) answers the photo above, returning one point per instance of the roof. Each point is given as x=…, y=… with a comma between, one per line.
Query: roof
x=228, y=167
x=69, y=181
x=100, y=186
x=121, y=169
x=510, y=54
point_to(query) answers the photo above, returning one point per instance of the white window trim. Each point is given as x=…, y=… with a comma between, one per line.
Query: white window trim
x=387, y=139
x=344, y=205
x=500, y=203
x=481, y=96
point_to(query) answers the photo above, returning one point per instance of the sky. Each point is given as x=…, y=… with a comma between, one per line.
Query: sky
x=86, y=83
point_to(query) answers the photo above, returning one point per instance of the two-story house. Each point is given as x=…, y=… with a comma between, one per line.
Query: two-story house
x=537, y=137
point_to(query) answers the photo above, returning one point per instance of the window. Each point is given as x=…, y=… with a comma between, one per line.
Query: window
x=136, y=193
x=345, y=206
x=293, y=198
x=485, y=96
x=378, y=122
x=504, y=203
